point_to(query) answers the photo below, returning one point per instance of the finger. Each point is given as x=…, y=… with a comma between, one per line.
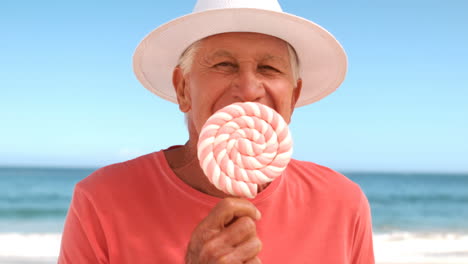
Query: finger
x=255, y=260
x=230, y=208
x=226, y=241
x=224, y=213
x=243, y=252
x=239, y=231
x=204, y=240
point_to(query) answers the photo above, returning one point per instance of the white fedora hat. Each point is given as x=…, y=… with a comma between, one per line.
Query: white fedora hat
x=322, y=59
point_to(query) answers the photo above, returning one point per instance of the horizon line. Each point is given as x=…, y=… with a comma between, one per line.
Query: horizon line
x=343, y=171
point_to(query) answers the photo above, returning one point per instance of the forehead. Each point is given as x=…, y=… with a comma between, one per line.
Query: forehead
x=244, y=43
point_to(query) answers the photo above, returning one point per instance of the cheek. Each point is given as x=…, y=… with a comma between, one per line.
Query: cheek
x=197, y=113
x=283, y=96
x=202, y=105
x=209, y=94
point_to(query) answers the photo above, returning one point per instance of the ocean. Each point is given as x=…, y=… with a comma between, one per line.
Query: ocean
x=417, y=217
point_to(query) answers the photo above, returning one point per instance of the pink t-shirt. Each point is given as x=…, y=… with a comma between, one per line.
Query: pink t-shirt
x=139, y=211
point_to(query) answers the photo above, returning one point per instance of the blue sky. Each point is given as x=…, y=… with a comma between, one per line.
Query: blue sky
x=69, y=97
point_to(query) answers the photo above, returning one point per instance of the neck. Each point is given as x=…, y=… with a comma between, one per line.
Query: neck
x=184, y=162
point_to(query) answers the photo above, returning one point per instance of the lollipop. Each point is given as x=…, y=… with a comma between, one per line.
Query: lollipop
x=243, y=145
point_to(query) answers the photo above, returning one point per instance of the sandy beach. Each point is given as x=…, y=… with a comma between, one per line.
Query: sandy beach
x=397, y=248
x=19, y=260
x=22, y=260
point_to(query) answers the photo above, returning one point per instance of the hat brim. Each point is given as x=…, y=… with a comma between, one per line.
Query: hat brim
x=322, y=59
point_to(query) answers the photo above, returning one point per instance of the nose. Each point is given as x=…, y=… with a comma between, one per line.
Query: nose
x=247, y=87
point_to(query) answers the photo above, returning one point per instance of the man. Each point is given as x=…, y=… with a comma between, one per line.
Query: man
x=161, y=208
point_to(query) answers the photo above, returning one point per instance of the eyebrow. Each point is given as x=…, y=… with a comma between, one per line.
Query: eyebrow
x=275, y=58
x=266, y=57
x=221, y=53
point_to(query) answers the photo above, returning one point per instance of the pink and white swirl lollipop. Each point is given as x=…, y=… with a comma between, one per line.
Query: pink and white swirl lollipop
x=243, y=145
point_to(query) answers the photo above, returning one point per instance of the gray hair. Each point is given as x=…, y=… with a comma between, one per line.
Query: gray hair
x=186, y=59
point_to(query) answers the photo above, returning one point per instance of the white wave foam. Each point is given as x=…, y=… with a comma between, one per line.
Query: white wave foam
x=429, y=248
x=30, y=245
x=447, y=248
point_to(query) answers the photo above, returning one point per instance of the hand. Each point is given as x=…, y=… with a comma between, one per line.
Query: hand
x=227, y=235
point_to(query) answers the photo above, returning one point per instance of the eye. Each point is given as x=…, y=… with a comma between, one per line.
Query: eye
x=268, y=68
x=225, y=64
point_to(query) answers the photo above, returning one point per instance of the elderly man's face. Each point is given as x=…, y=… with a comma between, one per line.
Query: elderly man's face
x=237, y=67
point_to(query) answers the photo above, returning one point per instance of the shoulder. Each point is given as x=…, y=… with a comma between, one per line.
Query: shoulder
x=323, y=176
x=121, y=175
x=325, y=183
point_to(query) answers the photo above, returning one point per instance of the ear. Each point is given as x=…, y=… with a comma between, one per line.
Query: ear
x=296, y=94
x=181, y=89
